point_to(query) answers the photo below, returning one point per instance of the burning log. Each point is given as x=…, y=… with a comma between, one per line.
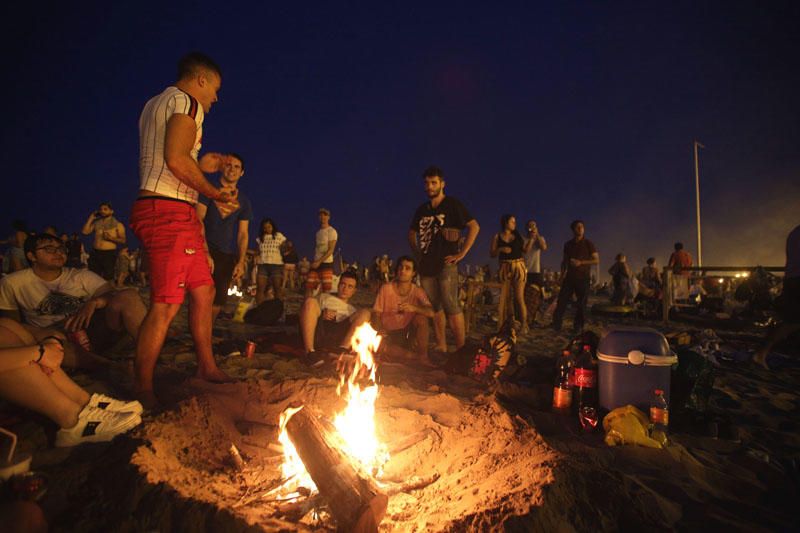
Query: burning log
x=355, y=501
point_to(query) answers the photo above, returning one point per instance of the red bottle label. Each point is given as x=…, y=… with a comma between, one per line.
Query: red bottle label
x=585, y=378
x=562, y=398
x=659, y=416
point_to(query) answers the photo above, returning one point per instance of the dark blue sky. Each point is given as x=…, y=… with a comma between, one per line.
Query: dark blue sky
x=569, y=110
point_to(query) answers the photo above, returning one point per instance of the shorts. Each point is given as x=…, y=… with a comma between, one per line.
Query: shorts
x=323, y=273
x=788, y=303
x=513, y=270
x=171, y=234
x=103, y=263
x=223, y=272
x=266, y=270
x=330, y=334
x=442, y=290
x=404, y=338
x=101, y=336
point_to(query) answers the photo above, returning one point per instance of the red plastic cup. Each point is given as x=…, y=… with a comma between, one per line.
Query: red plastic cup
x=250, y=349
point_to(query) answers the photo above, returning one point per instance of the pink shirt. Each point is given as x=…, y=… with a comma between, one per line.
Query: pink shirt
x=388, y=303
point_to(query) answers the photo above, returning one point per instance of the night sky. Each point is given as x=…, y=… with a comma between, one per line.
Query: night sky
x=561, y=111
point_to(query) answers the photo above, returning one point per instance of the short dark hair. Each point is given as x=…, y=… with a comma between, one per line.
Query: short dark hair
x=678, y=246
x=107, y=204
x=406, y=258
x=237, y=156
x=192, y=62
x=33, y=241
x=575, y=223
x=651, y=260
x=349, y=274
x=433, y=171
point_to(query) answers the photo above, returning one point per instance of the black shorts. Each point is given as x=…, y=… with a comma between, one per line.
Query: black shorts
x=223, y=272
x=330, y=334
x=100, y=333
x=103, y=263
x=404, y=338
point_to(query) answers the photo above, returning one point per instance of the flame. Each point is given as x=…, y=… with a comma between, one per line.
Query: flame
x=234, y=291
x=355, y=424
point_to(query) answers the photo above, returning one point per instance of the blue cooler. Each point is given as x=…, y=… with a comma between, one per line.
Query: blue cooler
x=632, y=363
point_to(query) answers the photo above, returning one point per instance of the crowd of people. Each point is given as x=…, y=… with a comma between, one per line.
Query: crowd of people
x=194, y=236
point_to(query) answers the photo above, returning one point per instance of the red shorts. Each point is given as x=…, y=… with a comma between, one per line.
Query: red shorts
x=171, y=234
x=324, y=273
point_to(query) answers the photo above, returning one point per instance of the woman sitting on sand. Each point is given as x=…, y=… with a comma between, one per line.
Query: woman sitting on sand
x=508, y=246
x=31, y=376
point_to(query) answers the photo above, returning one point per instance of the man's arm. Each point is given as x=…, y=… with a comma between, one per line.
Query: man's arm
x=98, y=300
x=242, y=238
x=118, y=237
x=328, y=253
x=472, y=232
x=412, y=241
x=88, y=227
x=181, y=131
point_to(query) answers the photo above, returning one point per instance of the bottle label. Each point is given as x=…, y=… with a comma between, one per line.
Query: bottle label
x=562, y=398
x=585, y=378
x=659, y=415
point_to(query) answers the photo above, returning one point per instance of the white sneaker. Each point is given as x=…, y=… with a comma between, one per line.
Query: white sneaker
x=101, y=401
x=96, y=425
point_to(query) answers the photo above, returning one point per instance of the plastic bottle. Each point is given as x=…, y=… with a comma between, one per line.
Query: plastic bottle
x=585, y=380
x=562, y=388
x=659, y=411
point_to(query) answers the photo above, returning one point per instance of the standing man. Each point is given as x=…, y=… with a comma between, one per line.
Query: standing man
x=166, y=222
x=579, y=256
x=433, y=236
x=226, y=230
x=108, y=234
x=679, y=261
x=534, y=285
x=322, y=266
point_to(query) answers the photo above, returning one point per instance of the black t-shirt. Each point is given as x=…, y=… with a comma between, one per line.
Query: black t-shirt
x=583, y=250
x=438, y=231
x=515, y=245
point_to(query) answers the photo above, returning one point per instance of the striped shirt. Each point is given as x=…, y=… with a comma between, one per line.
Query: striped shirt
x=154, y=175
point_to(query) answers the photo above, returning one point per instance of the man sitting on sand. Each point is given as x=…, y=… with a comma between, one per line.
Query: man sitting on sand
x=401, y=314
x=31, y=376
x=327, y=321
x=48, y=295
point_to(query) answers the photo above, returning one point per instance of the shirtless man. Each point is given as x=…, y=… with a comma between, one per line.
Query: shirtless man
x=108, y=234
x=166, y=222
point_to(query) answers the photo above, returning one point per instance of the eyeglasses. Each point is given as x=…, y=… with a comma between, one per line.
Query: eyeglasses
x=53, y=249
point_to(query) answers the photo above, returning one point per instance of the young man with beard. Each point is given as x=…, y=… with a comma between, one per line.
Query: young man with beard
x=579, y=255
x=400, y=314
x=50, y=296
x=434, y=237
x=108, y=234
x=166, y=222
x=226, y=230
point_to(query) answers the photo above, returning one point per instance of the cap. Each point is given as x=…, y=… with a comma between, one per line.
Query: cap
x=325, y=210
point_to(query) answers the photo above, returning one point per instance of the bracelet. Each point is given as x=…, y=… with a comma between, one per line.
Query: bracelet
x=41, y=353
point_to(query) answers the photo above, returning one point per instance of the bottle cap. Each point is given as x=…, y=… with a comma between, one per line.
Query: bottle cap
x=659, y=391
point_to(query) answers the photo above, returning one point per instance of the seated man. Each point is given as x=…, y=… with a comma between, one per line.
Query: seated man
x=401, y=314
x=50, y=296
x=31, y=376
x=327, y=321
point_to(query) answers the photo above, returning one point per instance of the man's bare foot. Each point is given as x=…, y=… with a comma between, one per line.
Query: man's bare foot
x=215, y=375
x=147, y=398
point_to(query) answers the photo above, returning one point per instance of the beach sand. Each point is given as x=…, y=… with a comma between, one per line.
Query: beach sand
x=481, y=459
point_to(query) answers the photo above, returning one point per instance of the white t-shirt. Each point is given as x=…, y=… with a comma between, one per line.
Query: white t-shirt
x=269, y=249
x=324, y=236
x=330, y=301
x=154, y=175
x=45, y=303
x=533, y=258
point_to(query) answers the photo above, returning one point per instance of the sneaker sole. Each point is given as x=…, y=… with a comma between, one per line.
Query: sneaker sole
x=101, y=437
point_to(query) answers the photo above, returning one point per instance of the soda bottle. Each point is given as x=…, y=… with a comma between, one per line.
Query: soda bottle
x=562, y=389
x=81, y=338
x=659, y=411
x=585, y=380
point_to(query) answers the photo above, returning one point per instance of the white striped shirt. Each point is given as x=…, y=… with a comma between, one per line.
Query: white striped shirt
x=154, y=175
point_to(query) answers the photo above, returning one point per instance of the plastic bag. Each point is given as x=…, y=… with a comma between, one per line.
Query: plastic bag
x=628, y=425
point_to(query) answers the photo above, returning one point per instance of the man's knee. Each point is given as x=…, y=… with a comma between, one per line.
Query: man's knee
x=360, y=316
x=310, y=307
x=420, y=321
x=164, y=311
x=125, y=299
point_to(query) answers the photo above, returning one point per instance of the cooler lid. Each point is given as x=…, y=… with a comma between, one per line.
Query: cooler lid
x=637, y=357
x=621, y=340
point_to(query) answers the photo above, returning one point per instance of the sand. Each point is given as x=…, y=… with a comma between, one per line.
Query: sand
x=484, y=459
